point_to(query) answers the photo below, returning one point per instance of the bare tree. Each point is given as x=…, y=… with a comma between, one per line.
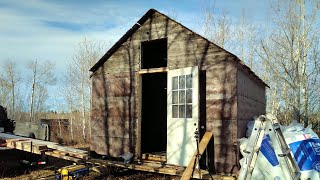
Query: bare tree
x=216, y=27
x=42, y=75
x=10, y=78
x=78, y=78
x=4, y=91
x=287, y=53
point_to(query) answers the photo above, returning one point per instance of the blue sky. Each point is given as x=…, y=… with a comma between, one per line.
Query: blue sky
x=51, y=30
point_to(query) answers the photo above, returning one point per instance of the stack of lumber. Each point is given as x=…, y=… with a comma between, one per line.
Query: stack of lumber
x=43, y=147
x=148, y=167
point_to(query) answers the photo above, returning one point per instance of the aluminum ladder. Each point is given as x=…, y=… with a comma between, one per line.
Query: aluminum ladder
x=287, y=162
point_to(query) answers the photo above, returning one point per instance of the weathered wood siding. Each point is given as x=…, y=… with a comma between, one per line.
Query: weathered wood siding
x=114, y=112
x=116, y=93
x=251, y=99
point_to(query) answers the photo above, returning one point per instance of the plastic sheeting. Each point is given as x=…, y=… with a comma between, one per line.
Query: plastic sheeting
x=305, y=146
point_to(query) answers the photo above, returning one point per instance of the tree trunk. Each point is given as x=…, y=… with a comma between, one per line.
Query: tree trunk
x=32, y=102
x=71, y=120
x=304, y=66
x=83, y=112
x=33, y=91
x=13, y=101
x=90, y=107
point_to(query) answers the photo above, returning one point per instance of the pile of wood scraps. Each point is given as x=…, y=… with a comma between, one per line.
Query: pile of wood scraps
x=43, y=147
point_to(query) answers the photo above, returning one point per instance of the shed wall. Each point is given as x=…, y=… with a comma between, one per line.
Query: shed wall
x=251, y=100
x=115, y=107
x=114, y=113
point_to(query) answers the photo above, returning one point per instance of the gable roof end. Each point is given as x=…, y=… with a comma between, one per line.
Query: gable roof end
x=118, y=44
x=138, y=24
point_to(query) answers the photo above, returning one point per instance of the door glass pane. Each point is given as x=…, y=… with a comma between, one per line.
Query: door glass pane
x=174, y=97
x=189, y=111
x=175, y=83
x=182, y=111
x=182, y=82
x=182, y=97
x=189, y=96
x=175, y=111
x=189, y=81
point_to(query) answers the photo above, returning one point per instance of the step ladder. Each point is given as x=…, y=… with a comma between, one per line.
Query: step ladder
x=287, y=162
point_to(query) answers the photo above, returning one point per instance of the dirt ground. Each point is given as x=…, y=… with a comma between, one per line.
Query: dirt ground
x=11, y=168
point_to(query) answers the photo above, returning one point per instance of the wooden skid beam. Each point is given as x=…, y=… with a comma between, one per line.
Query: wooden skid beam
x=202, y=146
x=157, y=168
x=140, y=167
x=151, y=157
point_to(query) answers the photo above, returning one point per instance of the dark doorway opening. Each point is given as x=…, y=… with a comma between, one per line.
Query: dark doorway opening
x=154, y=113
x=154, y=53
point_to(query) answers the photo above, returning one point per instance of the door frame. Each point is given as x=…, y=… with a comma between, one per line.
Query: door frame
x=138, y=152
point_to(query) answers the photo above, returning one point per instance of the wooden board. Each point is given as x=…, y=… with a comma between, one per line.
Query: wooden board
x=53, y=145
x=154, y=157
x=153, y=70
x=149, y=167
x=44, y=147
x=61, y=156
x=202, y=146
x=156, y=168
x=26, y=145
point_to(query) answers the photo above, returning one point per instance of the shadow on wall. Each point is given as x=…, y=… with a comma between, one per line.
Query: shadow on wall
x=115, y=110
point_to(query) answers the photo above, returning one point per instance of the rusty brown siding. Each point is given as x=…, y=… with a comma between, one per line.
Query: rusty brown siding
x=116, y=98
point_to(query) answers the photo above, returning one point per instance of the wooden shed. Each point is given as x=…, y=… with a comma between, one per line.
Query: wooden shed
x=160, y=82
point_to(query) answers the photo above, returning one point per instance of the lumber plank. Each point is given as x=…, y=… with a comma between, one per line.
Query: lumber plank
x=140, y=167
x=80, y=155
x=153, y=70
x=39, y=146
x=60, y=156
x=202, y=146
x=53, y=145
x=151, y=157
x=26, y=145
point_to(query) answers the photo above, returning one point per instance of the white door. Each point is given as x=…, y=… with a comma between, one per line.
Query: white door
x=182, y=115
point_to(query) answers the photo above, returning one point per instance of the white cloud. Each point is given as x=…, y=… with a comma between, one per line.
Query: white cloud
x=51, y=30
x=25, y=36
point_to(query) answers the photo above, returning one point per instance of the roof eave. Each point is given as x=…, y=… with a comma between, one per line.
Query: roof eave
x=118, y=44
